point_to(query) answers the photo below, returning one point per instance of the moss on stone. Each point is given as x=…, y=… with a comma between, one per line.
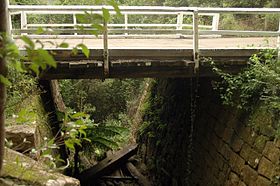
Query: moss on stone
x=20, y=167
x=262, y=122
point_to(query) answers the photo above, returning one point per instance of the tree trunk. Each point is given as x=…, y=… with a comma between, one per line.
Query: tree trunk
x=3, y=71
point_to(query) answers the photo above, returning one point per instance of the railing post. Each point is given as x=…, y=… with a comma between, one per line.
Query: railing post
x=106, y=64
x=215, y=22
x=23, y=20
x=126, y=23
x=195, y=41
x=75, y=22
x=180, y=17
x=10, y=25
x=180, y=21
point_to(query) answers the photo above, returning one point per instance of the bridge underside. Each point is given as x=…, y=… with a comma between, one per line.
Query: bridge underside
x=141, y=63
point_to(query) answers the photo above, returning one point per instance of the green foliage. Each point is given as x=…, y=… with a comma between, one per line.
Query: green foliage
x=80, y=129
x=44, y=153
x=257, y=83
x=153, y=113
x=102, y=100
x=81, y=134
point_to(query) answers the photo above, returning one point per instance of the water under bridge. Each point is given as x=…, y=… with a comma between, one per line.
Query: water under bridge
x=143, y=46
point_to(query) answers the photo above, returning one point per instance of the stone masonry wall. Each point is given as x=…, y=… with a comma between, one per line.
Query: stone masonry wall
x=229, y=152
x=229, y=147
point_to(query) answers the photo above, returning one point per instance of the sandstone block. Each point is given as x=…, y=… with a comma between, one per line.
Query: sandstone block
x=250, y=155
x=261, y=181
x=277, y=143
x=241, y=183
x=237, y=143
x=21, y=136
x=233, y=179
x=227, y=135
x=249, y=175
x=266, y=168
x=236, y=162
x=247, y=135
x=271, y=152
x=226, y=151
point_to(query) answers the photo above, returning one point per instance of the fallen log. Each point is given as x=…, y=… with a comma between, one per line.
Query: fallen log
x=107, y=166
x=142, y=180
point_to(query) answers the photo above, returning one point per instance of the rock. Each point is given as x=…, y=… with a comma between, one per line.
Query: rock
x=19, y=168
x=272, y=152
x=266, y=168
x=249, y=175
x=21, y=136
x=233, y=179
x=261, y=181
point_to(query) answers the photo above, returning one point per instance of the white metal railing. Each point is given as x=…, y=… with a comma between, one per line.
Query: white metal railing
x=126, y=28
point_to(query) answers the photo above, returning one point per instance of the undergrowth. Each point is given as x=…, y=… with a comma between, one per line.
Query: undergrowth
x=256, y=88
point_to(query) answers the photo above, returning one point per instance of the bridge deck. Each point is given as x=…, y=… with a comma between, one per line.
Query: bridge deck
x=171, y=57
x=168, y=43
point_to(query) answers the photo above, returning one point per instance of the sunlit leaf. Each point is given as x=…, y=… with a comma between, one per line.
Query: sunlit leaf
x=82, y=132
x=13, y=50
x=28, y=41
x=87, y=139
x=106, y=14
x=98, y=27
x=35, y=68
x=81, y=18
x=39, y=31
x=96, y=18
x=18, y=66
x=47, y=57
x=69, y=144
x=85, y=49
x=75, y=51
x=94, y=32
x=116, y=7
x=78, y=115
x=63, y=45
x=5, y=80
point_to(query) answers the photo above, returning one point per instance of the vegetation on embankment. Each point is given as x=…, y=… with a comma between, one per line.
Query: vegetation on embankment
x=255, y=88
x=235, y=129
x=22, y=170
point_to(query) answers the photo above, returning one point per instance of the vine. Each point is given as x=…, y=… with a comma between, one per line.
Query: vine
x=258, y=83
x=256, y=91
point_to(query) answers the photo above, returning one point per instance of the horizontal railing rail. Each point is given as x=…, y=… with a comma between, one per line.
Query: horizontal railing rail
x=127, y=11
x=182, y=24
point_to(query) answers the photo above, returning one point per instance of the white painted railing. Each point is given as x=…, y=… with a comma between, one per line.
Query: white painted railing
x=125, y=28
x=180, y=27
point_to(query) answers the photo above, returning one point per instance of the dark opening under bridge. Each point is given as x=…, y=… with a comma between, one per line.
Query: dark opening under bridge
x=141, y=49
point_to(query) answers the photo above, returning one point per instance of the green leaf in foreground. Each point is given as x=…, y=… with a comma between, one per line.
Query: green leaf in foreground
x=28, y=41
x=40, y=30
x=63, y=45
x=43, y=54
x=4, y=80
x=116, y=7
x=106, y=14
x=85, y=49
